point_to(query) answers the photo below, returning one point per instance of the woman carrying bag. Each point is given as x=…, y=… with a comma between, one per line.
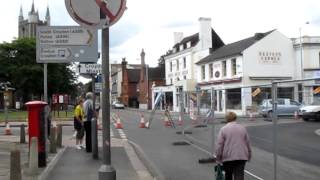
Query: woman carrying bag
x=233, y=148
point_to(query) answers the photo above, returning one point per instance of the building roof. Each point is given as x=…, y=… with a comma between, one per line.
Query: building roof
x=233, y=48
x=156, y=73
x=194, y=39
x=133, y=75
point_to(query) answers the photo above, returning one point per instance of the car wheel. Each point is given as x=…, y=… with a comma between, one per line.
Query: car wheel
x=270, y=114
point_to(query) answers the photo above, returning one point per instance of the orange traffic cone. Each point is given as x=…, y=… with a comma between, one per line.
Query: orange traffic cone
x=118, y=123
x=142, y=123
x=166, y=121
x=180, y=120
x=7, y=130
x=296, y=115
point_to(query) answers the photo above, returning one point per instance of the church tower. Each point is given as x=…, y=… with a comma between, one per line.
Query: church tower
x=28, y=27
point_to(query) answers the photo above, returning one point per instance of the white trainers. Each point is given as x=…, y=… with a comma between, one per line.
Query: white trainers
x=78, y=147
x=82, y=146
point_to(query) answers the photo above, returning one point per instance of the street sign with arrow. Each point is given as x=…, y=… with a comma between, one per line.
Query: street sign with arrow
x=63, y=44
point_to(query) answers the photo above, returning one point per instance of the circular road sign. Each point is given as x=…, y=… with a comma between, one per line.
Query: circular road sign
x=96, y=14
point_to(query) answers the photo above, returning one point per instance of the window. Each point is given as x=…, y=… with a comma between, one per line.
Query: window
x=171, y=81
x=184, y=77
x=184, y=62
x=189, y=44
x=171, y=66
x=181, y=47
x=234, y=67
x=203, y=72
x=177, y=64
x=224, y=68
x=211, y=70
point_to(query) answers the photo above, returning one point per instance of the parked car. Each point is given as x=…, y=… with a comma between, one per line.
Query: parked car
x=117, y=105
x=312, y=111
x=285, y=107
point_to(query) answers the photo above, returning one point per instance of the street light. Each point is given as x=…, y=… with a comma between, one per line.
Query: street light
x=301, y=51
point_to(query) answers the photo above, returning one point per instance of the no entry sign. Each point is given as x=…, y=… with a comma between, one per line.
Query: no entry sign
x=96, y=13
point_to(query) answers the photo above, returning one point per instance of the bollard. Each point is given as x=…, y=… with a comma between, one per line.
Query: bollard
x=33, y=156
x=53, y=145
x=59, y=136
x=22, y=134
x=15, y=165
x=94, y=139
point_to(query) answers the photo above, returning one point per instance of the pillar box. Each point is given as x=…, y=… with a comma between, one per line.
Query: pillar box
x=37, y=128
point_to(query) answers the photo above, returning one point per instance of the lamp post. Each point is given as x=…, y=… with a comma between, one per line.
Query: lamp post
x=301, y=51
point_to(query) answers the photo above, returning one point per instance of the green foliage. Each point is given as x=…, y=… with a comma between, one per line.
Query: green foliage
x=18, y=65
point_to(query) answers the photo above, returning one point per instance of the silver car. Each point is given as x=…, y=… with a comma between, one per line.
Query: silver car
x=285, y=107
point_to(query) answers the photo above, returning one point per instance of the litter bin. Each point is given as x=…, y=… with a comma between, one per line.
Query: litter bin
x=37, y=126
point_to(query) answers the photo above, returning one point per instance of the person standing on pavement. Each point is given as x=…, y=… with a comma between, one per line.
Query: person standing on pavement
x=89, y=113
x=233, y=148
x=78, y=124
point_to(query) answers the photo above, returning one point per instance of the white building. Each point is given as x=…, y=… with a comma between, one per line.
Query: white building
x=180, y=61
x=236, y=70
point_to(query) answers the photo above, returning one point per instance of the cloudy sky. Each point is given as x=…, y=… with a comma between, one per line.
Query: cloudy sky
x=150, y=24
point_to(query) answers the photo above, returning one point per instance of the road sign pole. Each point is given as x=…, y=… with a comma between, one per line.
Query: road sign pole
x=94, y=132
x=106, y=170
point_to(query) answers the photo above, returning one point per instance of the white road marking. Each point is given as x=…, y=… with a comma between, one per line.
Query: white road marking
x=203, y=150
x=317, y=132
x=122, y=134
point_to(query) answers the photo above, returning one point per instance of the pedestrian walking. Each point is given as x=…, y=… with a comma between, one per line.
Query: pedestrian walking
x=89, y=113
x=78, y=124
x=233, y=148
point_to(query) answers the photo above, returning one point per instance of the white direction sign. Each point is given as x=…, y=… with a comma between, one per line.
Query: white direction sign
x=90, y=69
x=96, y=13
x=64, y=44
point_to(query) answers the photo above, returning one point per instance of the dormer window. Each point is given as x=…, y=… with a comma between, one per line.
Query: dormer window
x=189, y=44
x=181, y=47
x=174, y=50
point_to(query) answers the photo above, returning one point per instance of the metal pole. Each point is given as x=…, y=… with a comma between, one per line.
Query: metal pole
x=213, y=139
x=6, y=104
x=301, y=54
x=275, y=121
x=106, y=170
x=94, y=133
x=45, y=82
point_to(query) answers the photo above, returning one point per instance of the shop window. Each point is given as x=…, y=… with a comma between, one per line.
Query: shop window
x=184, y=62
x=171, y=66
x=233, y=98
x=177, y=62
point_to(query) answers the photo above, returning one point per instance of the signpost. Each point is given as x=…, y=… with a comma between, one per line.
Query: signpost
x=100, y=14
x=64, y=44
x=90, y=68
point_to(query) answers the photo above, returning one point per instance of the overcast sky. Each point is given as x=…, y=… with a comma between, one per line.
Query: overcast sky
x=150, y=24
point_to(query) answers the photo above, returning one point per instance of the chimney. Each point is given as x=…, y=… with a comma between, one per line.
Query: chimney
x=178, y=36
x=205, y=37
x=142, y=55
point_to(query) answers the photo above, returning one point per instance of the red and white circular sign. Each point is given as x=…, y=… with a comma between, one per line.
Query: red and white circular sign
x=96, y=14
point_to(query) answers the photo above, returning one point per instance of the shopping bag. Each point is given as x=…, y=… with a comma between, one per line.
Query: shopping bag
x=219, y=172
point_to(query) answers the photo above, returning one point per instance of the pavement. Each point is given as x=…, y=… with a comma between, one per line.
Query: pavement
x=71, y=163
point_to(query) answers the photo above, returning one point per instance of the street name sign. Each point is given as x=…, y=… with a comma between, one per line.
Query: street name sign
x=90, y=69
x=65, y=44
x=96, y=14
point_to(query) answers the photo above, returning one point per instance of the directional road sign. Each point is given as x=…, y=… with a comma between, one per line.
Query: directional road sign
x=64, y=44
x=90, y=68
x=96, y=14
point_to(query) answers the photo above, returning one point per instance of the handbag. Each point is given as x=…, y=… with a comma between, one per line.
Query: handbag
x=219, y=172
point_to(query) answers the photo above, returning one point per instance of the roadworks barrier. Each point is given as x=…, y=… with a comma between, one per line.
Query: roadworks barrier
x=7, y=130
x=142, y=122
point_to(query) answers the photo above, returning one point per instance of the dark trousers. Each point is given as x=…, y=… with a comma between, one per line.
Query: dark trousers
x=234, y=169
x=87, y=129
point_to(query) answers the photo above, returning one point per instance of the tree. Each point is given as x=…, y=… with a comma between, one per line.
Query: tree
x=18, y=66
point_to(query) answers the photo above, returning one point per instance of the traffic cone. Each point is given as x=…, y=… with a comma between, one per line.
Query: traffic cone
x=142, y=123
x=118, y=123
x=166, y=122
x=180, y=120
x=193, y=119
x=7, y=130
x=296, y=115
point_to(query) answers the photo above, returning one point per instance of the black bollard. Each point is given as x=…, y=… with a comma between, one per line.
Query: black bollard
x=15, y=165
x=53, y=145
x=22, y=134
x=59, y=136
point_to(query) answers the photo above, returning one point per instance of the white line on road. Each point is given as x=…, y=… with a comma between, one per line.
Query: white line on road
x=317, y=132
x=122, y=134
x=203, y=150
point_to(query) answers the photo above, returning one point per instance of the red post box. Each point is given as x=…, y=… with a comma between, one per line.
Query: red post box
x=37, y=128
